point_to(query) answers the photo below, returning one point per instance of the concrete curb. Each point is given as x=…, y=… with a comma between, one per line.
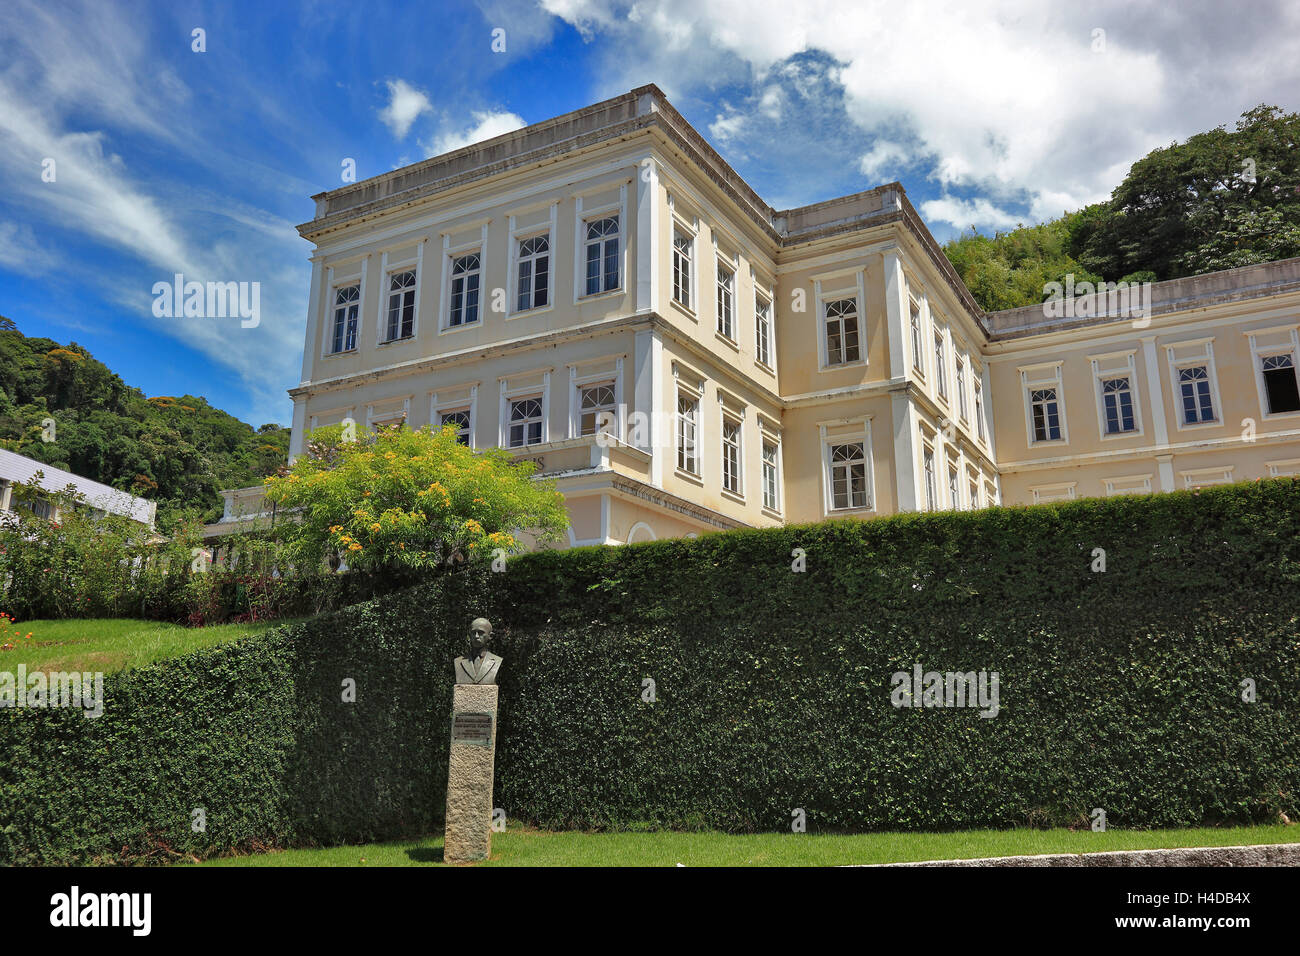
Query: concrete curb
x=1264, y=854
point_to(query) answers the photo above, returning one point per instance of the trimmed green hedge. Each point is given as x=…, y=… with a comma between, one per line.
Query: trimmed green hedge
x=1118, y=689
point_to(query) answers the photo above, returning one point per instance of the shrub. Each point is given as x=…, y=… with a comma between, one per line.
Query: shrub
x=1120, y=689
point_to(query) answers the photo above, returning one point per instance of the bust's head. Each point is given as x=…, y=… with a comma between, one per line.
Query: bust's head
x=480, y=634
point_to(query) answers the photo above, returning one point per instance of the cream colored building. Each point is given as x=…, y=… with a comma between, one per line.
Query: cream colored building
x=754, y=366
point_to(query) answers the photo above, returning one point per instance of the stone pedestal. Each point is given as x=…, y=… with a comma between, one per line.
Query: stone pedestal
x=469, y=773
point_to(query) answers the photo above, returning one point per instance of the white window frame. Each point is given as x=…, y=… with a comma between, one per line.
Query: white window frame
x=467, y=428
x=389, y=418
x=940, y=342
x=1033, y=378
x=1206, y=477
x=726, y=310
x=696, y=394
x=511, y=394
x=821, y=297
x=1259, y=352
x=518, y=236
x=764, y=331
x=679, y=226
x=771, y=504
x=916, y=326
x=977, y=390
x=539, y=420
x=335, y=287
x=455, y=400
x=338, y=415
x=929, y=475
x=1203, y=354
x=990, y=494
x=1129, y=485
x=1057, y=491
x=961, y=366
x=388, y=270
x=731, y=417
x=1111, y=366
x=586, y=374
x=1287, y=468
x=449, y=254
x=584, y=214
x=861, y=434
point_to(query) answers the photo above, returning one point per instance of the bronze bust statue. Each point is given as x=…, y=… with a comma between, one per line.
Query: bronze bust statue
x=481, y=666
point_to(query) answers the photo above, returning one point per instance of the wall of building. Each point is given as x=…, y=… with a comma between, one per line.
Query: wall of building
x=940, y=411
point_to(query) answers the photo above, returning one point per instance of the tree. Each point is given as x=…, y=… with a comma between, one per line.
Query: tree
x=1169, y=214
x=1012, y=269
x=398, y=498
x=177, y=451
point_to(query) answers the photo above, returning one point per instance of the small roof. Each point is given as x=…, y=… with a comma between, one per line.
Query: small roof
x=21, y=469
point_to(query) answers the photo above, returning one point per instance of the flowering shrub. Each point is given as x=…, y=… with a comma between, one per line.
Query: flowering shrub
x=11, y=635
x=82, y=564
x=398, y=498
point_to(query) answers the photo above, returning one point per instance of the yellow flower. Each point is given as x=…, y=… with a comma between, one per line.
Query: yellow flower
x=354, y=546
x=376, y=527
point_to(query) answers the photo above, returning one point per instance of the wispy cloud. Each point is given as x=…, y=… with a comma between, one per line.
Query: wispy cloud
x=84, y=97
x=21, y=252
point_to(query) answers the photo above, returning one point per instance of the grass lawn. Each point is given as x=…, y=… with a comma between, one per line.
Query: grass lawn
x=112, y=644
x=526, y=847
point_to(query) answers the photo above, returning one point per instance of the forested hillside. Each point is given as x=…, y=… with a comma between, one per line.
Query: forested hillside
x=176, y=450
x=1222, y=199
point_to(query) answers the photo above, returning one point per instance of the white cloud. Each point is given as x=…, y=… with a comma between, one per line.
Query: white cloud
x=965, y=213
x=1006, y=97
x=883, y=160
x=483, y=124
x=405, y=105
x=725, y=127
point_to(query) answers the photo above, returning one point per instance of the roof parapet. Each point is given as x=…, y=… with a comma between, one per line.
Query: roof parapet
x=1172, y=295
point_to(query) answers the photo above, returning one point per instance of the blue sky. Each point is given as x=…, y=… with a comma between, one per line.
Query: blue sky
x=169, y=160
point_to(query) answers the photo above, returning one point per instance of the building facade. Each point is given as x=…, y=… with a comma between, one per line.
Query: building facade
x=33, y=486
x=603, y=294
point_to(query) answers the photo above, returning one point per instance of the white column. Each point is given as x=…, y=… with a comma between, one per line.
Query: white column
x=312, y=347
x=298, y=436
x=1155, y=394
x=648, y=399
x=897, y=314
x=1156, y=402
x=905, y=451
x=987, y=394
x=647, y=236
